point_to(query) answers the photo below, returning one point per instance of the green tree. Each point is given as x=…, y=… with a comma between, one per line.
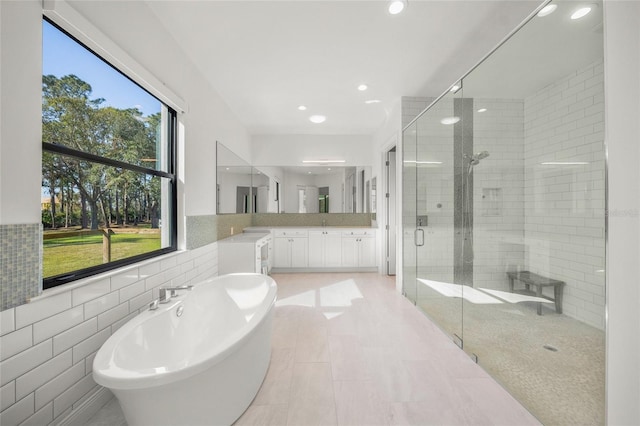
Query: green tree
x=71, y=118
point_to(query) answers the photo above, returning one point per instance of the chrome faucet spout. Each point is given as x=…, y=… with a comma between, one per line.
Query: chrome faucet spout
x=166, y=293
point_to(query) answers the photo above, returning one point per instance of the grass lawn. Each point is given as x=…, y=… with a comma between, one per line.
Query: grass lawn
x=66, y=254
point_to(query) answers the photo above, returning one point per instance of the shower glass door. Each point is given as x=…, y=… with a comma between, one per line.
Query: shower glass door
x=432, y=220
x=409, y=195
x=534, y=311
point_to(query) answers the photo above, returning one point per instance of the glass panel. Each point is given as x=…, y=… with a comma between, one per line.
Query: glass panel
x=439, y=278
x=409, y=198
x=534, y=314
x=91, y=107
x=102, y=214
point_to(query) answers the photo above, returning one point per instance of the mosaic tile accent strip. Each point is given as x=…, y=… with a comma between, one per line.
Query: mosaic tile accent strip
x=312, y=219
x=236, y=221
x=201, y=230
x=20, y=263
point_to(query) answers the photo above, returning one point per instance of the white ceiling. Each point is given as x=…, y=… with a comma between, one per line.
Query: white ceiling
x=267, y=57
x=545, y=50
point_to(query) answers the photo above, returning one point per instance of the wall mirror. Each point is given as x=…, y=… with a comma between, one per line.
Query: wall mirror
x=242, y=188
x=312, y=189
x=234, y=190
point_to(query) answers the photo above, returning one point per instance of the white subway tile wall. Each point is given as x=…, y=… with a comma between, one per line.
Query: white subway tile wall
x=564, y=203
x=546, y=218
x=498, y=191
x=48, y=345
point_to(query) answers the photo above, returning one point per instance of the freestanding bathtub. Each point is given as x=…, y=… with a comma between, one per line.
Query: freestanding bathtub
x=203, y=367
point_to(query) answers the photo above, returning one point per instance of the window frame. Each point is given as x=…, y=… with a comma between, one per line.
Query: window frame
x=170, y=173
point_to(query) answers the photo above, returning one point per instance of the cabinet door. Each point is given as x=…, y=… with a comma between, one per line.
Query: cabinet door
x=332, y=249
x=349, y=251
x=367, y=252
x=316, y=249
x=281, y=253
x=299, y=252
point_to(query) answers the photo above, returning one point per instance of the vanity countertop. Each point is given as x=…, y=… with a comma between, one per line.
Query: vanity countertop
x=248, y=237
x=252, y=229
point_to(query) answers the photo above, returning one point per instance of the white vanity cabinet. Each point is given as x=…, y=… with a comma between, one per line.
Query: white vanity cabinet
x=290, y=248
x=325, y=248
x=245, y=253
x=322, y=249
x=359, y=248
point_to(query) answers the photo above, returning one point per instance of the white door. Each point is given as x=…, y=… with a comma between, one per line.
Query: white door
x=281, y=253
x=316, y=249
x=299, y=252
x=333, y=249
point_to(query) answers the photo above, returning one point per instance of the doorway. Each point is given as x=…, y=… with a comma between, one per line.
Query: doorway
x=390, y=205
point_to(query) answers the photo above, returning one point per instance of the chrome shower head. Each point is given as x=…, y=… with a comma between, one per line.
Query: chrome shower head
x=475, y=159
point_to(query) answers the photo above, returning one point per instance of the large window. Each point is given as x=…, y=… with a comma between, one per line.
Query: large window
x=108, y=165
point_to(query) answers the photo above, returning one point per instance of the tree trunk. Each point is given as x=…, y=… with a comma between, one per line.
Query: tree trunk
x=118, y=216
x=69, y=212
x=154, y=216
x=94, y=213
x=107, y=219
x=52, y=191
x=84, y=220
x=125, y=201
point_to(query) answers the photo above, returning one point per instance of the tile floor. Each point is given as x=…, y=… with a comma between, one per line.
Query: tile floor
x=347, y=349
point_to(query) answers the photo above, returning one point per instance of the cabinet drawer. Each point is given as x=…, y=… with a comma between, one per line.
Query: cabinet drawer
x=290, y=233
x=358, y=233
x=315, y=233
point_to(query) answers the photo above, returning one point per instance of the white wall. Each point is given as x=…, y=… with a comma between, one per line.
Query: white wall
x=21, y=106
x=622, y=100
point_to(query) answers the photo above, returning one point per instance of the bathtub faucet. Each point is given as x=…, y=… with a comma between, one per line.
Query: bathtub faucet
x=166, y=293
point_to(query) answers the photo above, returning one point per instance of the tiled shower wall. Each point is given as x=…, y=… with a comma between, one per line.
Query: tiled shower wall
x=48, y=345
x=435, y=193
x=498, y=182
x=20, y=271
x=564, y=204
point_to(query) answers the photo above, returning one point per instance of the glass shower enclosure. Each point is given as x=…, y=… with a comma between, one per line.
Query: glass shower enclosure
x=504, y=215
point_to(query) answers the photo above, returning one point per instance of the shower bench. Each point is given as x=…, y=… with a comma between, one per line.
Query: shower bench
x=538, y=281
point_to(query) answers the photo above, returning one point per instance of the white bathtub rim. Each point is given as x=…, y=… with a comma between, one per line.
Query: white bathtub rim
x=106, y=374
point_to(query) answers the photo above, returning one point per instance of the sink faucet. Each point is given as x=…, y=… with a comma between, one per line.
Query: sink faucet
x=166, y=293
x=324, y=222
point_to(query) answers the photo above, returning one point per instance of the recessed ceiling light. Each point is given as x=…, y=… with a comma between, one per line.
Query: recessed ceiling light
x=482, y=110
x=565, y=163
x=309, y=172
x=423, y=162
x=397, y=6
x=362, y=87
x=302, y=108
x=547, y=10
x=582, y=12
x=329, y=168
x=449, y=120
x=372, y=101
x=317, y=119
x=323, y=161
x=455, y=88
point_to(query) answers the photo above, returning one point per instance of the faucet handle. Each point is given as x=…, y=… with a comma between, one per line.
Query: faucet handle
x=154, y=305
x=165, y=295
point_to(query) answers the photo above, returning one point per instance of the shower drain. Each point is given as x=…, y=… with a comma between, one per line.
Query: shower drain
x=550, y=348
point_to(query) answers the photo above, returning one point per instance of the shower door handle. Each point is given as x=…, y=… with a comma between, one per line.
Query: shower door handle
x=415, y=237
